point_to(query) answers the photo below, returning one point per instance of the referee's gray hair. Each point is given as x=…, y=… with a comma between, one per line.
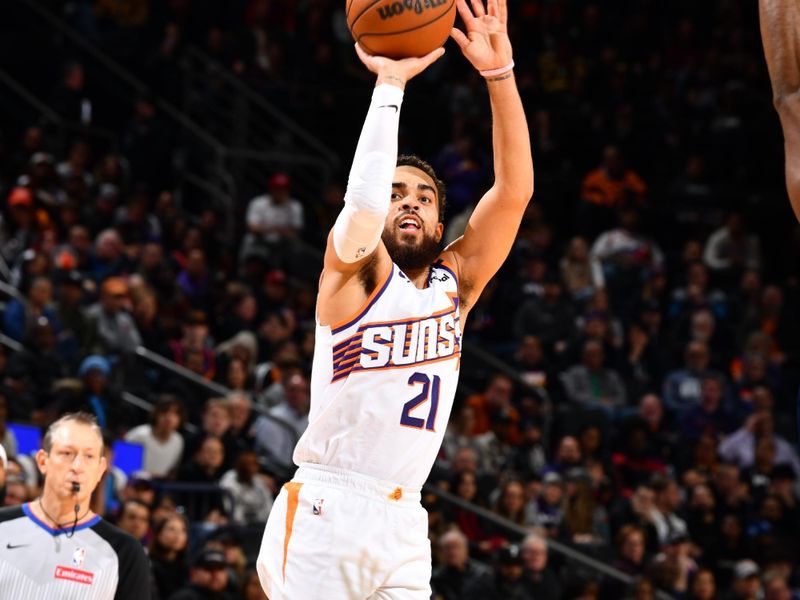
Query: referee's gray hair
x=82, y=418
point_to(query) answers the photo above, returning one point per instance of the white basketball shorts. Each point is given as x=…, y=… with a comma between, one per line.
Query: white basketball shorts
x=338, y=535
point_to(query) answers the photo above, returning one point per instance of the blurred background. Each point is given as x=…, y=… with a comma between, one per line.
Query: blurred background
x=625, y=420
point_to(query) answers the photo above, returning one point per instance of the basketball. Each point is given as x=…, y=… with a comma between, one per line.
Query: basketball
x=400, y=28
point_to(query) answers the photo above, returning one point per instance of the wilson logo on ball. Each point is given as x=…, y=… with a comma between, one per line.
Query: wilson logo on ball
x=400, y=28
x=398, y=8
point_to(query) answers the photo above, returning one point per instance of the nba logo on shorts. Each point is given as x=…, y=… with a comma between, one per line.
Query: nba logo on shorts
x=316, y=508
x=78, y=557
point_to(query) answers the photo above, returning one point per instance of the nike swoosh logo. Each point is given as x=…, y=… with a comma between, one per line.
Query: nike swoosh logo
x=394, y=106
x=15, y=546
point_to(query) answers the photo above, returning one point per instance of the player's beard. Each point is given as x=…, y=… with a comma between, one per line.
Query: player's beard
x=411, y=257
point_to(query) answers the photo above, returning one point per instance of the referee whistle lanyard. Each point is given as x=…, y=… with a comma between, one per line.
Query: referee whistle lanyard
x=63, y=527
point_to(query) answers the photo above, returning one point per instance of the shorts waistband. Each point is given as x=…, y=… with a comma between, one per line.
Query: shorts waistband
x=365, y=485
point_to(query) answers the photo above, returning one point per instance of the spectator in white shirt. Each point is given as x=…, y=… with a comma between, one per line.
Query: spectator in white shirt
x=251, y=494
x=277, y=433
x=163, y=445
x=274, y=221
x=739, y=447
x=731, y=248
x=663, y=516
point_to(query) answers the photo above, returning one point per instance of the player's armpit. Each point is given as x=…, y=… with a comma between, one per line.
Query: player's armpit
x=344, y=287
x=487, y=241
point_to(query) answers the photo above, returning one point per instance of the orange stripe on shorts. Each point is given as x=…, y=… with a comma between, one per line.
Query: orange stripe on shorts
x=293, y=489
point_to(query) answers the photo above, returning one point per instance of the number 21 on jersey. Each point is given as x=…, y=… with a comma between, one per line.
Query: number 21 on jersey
x=429, y=391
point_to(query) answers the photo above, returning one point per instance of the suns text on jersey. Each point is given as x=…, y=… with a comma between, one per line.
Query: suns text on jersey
x=404, y=344
x=399, y=344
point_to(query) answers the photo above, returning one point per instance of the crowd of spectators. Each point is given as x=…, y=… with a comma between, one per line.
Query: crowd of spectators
x=649, y=309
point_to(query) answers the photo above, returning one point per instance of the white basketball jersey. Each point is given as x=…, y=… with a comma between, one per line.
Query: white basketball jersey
x=383, y=382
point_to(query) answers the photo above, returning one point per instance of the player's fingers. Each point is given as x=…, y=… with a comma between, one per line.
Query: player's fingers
x=464, y=10
x=477, y=8
x=365, y=58
x=431, y=57
x=492, y=8
x=502, y=11
x=459, y=38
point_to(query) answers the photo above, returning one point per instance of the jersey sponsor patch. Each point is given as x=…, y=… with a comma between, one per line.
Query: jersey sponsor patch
x=76, y=575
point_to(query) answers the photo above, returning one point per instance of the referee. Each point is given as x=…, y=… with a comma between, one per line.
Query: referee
x=55, y=547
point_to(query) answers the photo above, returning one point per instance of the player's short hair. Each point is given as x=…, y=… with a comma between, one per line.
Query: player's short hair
x=82, y=418
x=411, y=160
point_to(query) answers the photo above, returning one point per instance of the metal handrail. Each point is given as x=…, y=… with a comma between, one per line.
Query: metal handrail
x=12, y=84
x=159, y=361
x=499, y=365
x=280, y=156
x=10, y=290
x=244, y=90
x=211, y=386
x=149, y=407
x=208, y=188
x=177, y=369
x=132, y=81
x=11, y=343
x=49, y=115
x=195, y=489
x=558, y=547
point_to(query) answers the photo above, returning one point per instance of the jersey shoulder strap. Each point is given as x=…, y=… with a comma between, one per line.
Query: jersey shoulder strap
x=9, y=513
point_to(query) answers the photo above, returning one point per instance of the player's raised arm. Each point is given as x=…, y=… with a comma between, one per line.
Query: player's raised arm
x=354, y=244
x=780, y=32
x=495, y=221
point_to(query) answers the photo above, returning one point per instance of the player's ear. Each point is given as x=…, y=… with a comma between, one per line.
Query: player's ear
x=41, y=461
x=439, y=231
x=103, y=467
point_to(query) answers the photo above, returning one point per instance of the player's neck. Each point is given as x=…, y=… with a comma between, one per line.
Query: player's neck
x=60, y=514
x=419, y=277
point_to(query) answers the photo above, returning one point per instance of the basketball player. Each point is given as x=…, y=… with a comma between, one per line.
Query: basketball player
x=55, y=546
x=780, y=33
x=390, y=311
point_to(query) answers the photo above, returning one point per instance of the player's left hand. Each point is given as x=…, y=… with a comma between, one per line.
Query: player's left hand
x=485, y=43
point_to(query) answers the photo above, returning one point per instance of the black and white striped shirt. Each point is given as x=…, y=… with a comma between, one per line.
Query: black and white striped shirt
x=99, y=562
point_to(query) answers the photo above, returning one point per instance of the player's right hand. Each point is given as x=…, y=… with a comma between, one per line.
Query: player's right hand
x=397, y=72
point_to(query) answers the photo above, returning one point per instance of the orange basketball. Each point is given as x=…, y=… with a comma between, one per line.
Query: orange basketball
x=400, y=28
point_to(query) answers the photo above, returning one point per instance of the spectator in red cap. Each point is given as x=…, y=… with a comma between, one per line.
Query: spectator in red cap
x=18, y=225
x=274, y=220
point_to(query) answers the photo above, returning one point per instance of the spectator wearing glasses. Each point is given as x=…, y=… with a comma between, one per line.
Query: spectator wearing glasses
x=116, y=328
